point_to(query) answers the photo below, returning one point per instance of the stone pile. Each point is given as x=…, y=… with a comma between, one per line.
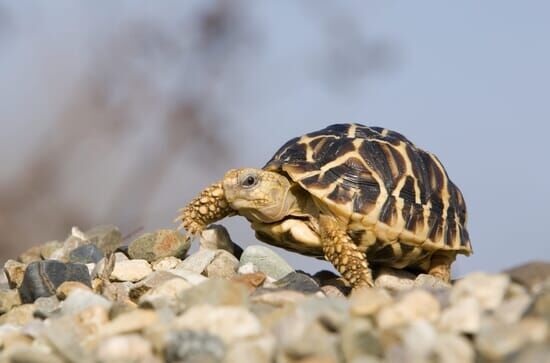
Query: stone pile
x=90, y=299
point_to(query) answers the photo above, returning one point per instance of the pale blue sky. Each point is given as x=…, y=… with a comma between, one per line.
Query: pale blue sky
x=470, y=82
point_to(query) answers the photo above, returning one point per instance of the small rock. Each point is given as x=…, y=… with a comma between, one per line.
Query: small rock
x=45, y=306
x=513, y=309
x=216, y=237
x=488, y=289
x=192, y=277
x=332, y=291
x=168, y=290
x=224, y=265
x=266, y=261
x=252, y=280
x=215, y=292
x=79, y=300
x=126, y=348
x=541, y=306
x=165, y=263
x=499, y=341
x=130, y=322
x=194, y=346
x=131, y=270
x=19, y=315
x=31, y=255
x=198, y=261
x=155, y=279
x=67, y=287
x=65, y=335
x=49, y=248
x=278, y=298
x=430, y=282
x=419, y=339
x=30, y=355
x=256, y=350
x=247, y=268
x=535, y=353
x=531, y=274
x=108, y=238
x=415, y=305
x=230, y=323
x=15, y=271
x=159, y=244
x=359, y=338
x=464, y=316
x=43, y=277
x=119, y=256
x=298, y=281
x=450, y=348
x=394, y=280
x=84, y=254
x=8, y=300
x=368, y=301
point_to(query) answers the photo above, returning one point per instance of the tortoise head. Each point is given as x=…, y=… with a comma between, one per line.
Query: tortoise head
x=258, y=194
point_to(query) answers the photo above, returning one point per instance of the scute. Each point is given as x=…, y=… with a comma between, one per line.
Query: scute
x=382, y=176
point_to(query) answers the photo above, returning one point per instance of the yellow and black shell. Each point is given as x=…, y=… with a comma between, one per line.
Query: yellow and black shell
x=386, y=189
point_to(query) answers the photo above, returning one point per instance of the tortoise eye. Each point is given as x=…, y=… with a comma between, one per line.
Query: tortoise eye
x=249, y=181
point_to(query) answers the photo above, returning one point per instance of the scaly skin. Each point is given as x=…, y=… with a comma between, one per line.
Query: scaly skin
x=208, y=207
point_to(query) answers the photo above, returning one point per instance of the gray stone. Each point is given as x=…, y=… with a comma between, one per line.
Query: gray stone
x=230, y=323
x=198, y=261
x=15, y=271
x=298, y=281
x=194, y=347
x=216, y=237
x=415, y=305
x=43, y=277
x=531, y=274
x=159, y=244
x=8, y=300
x=488, y=289
x=84, y=254
x=79, y=300
x=394, y=280
x=266, y=261
x=131, y=270
x=107, y=237
x=224, y=265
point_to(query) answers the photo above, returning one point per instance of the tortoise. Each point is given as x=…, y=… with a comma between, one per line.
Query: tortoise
x=359, y=196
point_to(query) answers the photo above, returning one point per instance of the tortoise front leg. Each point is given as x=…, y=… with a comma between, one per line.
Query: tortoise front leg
x=208, y=207
x=440, y=265
x=340, y=250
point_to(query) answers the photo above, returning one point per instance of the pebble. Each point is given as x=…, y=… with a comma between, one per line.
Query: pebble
x=531, y=274
x=224, y=265
x=49, y=248
x=251, y=280
x=247, y=268
x=194, y=346
x=215, y=292
x=369, y=301
x=513, y=309
x=462, y=317
x=192, y=277
x=107, y=237
x=198, y=261
x=266, y=261
x=31, y=355
x=30, y=255
x=45, y=306
x=279, y=297
x=298, y=281
x=230, y=323
x=159, y=244
x=126, y=348
x=417, y=304
x=131, y=270
x=165, y=263
x=43, y=277
x=80, y=299
x=15, y=271
x=8, y=300
x=488, y=289
x=359, y=338
x=216, y=237
x=84, y=254
x=430, y=282
x=19, y=315
x=394, y=280
x=130, y=322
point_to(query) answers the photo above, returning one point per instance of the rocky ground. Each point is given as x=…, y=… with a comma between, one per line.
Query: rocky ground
x=87, y=299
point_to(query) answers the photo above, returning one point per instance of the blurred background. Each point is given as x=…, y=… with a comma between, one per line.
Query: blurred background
x=120, y=112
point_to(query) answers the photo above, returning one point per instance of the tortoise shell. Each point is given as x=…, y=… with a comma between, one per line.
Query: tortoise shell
x=387, y=190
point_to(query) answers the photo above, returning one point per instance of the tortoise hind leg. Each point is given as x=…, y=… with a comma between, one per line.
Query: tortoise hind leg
x=339, y=249
x=440, y=265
